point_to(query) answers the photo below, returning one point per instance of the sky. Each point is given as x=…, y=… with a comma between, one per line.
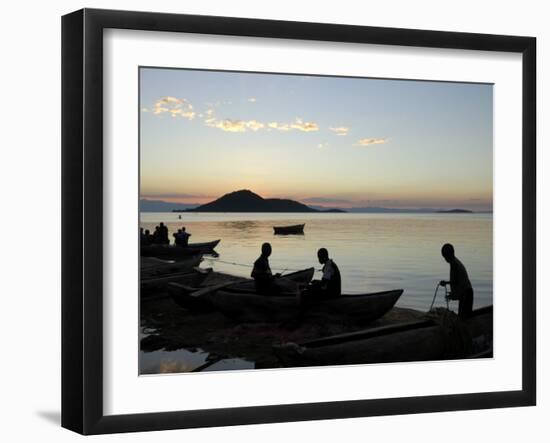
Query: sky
x=325, y=141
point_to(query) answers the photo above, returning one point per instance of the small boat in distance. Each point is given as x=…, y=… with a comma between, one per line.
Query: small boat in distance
x=289, y=230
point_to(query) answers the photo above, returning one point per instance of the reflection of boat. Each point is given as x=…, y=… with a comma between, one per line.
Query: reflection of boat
x=201, y=299
x=287, y=230
x=176, y=252
x=429, y=339
x=260, y=308
x=151, y=266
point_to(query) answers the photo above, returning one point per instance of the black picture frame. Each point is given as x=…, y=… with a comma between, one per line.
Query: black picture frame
x=82, y=219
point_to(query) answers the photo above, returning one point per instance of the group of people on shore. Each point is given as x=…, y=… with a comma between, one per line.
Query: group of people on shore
x=160, y=236
x=330, y=284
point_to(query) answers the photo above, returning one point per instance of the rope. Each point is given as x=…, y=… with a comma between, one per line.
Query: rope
x=249, y=266
x=435, y=294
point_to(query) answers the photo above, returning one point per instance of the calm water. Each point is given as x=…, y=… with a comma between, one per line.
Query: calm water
x=373, y=251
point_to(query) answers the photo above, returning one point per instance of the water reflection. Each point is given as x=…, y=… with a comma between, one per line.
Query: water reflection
x=373, y=251
x=183, y=360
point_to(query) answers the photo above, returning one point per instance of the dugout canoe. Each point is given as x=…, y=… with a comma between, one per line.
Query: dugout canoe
x=260, y=308
x=423, y=340
x=173, y=252
x=288, y=230
x=201, y=299
x=152, y=286
x=153, y=267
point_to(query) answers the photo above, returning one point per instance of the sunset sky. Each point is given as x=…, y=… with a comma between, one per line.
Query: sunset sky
x=331, y=141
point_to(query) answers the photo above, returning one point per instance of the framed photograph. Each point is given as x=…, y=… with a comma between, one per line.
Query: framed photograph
x=269, y=221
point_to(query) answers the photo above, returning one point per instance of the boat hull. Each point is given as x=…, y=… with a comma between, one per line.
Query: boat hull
x=416, y=341
x=279, y=308
x=184, y=297
x=289, y=230
x=151, y=267
x=173, y=252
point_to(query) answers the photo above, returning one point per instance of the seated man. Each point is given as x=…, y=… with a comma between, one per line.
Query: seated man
x=329, y=286
x=461, y=287
x=261, y=273
x=183, y=237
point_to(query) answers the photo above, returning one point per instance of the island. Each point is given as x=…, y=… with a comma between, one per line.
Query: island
x=248, y=201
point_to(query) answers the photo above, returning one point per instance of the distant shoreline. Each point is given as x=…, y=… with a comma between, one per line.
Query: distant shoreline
x=246, y=201
x=442, y=212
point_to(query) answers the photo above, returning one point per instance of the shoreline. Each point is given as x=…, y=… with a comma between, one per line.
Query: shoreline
x=170, y=327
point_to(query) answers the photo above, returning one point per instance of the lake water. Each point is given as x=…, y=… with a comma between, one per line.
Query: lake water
x=374, y=252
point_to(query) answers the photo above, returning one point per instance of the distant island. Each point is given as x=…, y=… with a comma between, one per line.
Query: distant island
x=146, y=205
x=247, y=201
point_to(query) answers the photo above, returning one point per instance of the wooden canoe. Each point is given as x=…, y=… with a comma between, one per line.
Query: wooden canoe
x=260, y=308
x=288, y=230
x=152, y=267
x=415, y=341
x=187, y=297
x=173, y=252
x=152, y=285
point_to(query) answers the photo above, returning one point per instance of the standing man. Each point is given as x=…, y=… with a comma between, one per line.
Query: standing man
x=461, y=287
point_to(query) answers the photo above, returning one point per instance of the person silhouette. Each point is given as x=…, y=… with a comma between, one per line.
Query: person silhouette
x=264, y=280
x=329, y=286
x=461, y=287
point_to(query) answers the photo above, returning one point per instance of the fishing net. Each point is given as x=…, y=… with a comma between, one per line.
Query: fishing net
x=457, y=338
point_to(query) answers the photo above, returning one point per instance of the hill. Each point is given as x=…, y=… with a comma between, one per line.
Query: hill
x=248, y=201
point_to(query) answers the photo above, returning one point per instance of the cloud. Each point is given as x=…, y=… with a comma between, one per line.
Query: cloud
x=279, y=126
x=252, y=99
x=254, y=125
x=322, y=145
x=300, y=125
x=340, y=130
x=230, y=125
x=370, y=141
x=175, y=107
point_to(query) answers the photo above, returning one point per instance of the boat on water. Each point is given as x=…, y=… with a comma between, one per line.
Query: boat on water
x=289, y=230
x=153, y=267
x=174, y=252
x=252, y=308
x=431, y=339
x=200, y=299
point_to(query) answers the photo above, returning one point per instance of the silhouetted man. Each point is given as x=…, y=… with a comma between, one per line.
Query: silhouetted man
x=330, y=285
x=181, y=238
x=163, y=234
x=461, y=287
x=262, y=275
